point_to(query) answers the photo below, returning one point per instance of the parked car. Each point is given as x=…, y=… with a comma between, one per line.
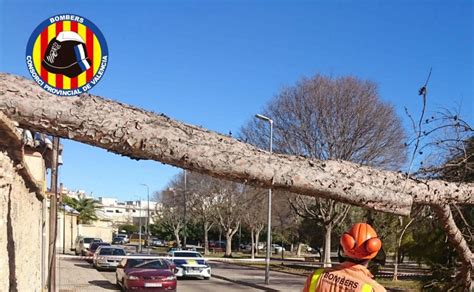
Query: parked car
x=312, y=250
x=130, y=248
x=124, y=237
x=108, y=257
x=217, y=244
x=277, y=248
x=135, y=238
x=157, y=242
x=174, y=249
x=76, y=244
x=93, y=247
x=248, y=247
x=190, y=264
x=83, y=243
x=118, y=240
x=143, y=273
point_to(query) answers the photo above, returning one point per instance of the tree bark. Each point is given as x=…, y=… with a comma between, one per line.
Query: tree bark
x=257, y=238
x=228, y=246
x=399, y=245
x=176, y=237
x=327, y=246
x=252, y=244
x=140, y=134
x=298, y=249
x=206, y=239
x=458, y=242
x=228, y=237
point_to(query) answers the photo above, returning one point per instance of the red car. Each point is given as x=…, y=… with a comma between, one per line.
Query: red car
x=143, y=274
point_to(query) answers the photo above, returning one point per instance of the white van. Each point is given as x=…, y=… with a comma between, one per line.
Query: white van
x=83, y=243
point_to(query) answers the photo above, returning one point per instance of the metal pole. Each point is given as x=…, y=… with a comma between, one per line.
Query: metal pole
x=269, y=214
x=64, y=229
x=53, y=215
x=269, y=219
x=43, y=270
x=147, y=225
x=148, y=219
x=184, y=207
x=140, y=229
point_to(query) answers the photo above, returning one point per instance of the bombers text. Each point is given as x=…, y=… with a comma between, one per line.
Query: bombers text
x=70, y=17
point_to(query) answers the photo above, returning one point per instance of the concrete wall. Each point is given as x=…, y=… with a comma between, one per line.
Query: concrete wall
x=67, y=232
x=20, y=231
x=36, y=166
x=100, y=229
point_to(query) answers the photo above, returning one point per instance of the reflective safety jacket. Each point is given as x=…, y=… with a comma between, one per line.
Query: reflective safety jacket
x=347, y=277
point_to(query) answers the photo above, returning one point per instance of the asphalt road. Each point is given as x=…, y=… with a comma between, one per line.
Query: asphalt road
x=76, y=275
x=192, y=285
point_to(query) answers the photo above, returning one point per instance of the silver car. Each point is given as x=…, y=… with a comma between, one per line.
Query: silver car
x=108, y=257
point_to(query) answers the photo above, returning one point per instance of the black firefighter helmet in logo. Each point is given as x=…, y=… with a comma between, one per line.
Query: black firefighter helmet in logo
x=66, y=54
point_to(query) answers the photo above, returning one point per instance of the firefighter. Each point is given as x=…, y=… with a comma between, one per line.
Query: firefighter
x=360, y=244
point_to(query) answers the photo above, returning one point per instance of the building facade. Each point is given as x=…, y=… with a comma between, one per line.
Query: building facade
x=128, y=212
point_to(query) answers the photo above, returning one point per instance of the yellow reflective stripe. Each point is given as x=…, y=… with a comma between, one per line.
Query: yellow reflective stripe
x=314, y=279
x=366, y=288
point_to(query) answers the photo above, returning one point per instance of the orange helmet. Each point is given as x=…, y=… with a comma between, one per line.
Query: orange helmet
x=361, y=242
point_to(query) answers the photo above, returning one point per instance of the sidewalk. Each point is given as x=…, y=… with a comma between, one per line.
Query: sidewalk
x=78, y=275
x=255, y=278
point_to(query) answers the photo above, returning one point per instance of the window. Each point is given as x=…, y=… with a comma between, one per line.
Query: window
x=112, y=251
x=187, y=255
x=88, y=240
x=155, y=264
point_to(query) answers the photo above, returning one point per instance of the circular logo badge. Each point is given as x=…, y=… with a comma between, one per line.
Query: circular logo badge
x=66, y=55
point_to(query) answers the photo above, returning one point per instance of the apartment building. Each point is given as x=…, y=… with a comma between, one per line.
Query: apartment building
x=128, y=212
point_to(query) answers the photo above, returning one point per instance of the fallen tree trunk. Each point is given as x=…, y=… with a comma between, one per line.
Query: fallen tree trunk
x=139, y=134
x=456, y=239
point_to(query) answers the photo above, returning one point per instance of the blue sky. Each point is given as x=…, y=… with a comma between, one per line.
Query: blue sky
x=217, y=63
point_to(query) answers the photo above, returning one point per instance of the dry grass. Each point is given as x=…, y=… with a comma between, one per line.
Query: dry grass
x=401, y=285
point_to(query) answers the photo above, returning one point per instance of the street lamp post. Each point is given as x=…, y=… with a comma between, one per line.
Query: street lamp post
x=184, y=210
x=140, y=229
x=269, y=214
x=140, y=225
x=147, y=231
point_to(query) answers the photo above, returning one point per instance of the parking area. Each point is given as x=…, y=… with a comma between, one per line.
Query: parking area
x=75, y=274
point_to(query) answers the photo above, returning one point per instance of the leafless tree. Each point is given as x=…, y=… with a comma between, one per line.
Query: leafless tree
x=449, y=142
x=448, y=138
x=331, y=118
x=254, y=215
x=284, y=220
x=201, y=201
x=171, y=213
x=228, y=209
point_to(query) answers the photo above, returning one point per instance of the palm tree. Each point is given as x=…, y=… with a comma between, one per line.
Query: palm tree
x=85, y=206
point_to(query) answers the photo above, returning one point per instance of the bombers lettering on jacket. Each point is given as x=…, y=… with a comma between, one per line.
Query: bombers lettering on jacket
x=341, y=280
x=347, y=277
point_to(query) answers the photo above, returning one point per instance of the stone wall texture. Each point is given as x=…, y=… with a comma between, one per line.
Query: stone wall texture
x=20, y=231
